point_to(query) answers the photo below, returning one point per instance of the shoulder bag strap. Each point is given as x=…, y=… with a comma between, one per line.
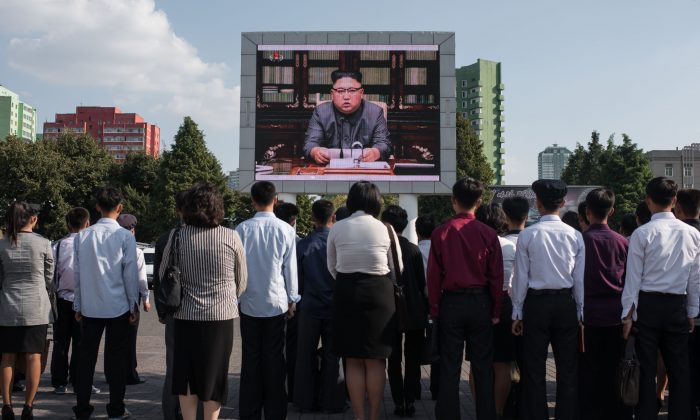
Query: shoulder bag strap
x=175, y=249
x=394, y=256
x=56, y=276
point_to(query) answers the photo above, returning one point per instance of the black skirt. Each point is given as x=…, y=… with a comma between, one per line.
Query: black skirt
x=201, y=358
x=364, y=321
x=24, y=339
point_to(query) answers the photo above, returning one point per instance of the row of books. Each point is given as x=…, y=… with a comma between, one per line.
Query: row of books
x=416, y=76
x=377, y=97
x=324, y=55
x=320, y=75
x=317, y=97
x=274, y=94
x=419, y=99
x=374, y=55
x=421, y=55
x=375, y=75
x=284, y=75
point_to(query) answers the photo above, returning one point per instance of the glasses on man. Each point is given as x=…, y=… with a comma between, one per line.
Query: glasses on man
x=351, y=91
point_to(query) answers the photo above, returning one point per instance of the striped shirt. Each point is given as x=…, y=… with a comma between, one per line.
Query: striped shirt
x=214, y=274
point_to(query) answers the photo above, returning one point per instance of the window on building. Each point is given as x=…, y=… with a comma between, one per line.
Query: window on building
x=464, y=83
x=464, y=104
x=687, y=169
x=464, y=94
x=668, y=170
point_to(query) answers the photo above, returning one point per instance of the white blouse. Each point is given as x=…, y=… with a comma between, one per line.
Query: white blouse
x=360, y=244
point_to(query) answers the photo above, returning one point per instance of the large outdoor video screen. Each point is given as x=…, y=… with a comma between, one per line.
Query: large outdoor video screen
x=347, y=112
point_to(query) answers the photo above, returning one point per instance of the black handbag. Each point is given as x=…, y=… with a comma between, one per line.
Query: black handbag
x=431, y=347
x=399, y=296
x=169, y=293
x=627, y=378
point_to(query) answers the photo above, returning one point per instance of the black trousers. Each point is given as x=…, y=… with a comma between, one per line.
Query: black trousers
x=65, y=330
x=465, y=317
x=263, y=368
x=290, y=352
x=405, y=386
x=549, y=318
x=322, y=388
x=694, y=355
x=597, y=367
x=662, y=325
x=132, y=376
x=116, y=332
x=170, y=403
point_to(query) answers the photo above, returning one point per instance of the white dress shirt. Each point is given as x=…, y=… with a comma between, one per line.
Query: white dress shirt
x=143, y=278
x=664, y=256
x=508, y=251
x=550, y=255
x=424, y=246
x=106, y=272
x=65, y=287
x=360, y=244
x=270, y=252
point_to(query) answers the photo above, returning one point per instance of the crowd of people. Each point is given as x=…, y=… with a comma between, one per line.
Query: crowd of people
x=325, y=319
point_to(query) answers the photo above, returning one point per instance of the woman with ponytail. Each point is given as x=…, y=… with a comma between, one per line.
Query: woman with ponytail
x=26, y=276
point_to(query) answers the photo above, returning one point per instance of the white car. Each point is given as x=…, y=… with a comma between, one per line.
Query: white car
x=149, y=254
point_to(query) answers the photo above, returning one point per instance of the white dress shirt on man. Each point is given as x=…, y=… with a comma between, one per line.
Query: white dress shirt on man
x=508, y=251
x=64, y=267
x=143, y=276
x=270, y=252
x=664, y=257
x=424, y=246
x=550, y=255
x=106, y=271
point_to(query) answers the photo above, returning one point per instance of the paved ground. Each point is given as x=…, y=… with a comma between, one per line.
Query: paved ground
x=144, y=400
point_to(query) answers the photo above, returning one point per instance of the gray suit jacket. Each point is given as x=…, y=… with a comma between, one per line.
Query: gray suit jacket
x=367, y=126
x=26, y=275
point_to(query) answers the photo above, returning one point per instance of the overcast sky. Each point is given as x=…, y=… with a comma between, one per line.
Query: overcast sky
x=569, y=67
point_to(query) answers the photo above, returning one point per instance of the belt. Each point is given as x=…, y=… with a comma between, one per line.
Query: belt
x=538, y=292
x=466, y=291
x=678, y=295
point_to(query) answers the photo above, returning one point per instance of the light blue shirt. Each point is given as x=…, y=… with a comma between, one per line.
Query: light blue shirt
x=106, y=272
x=271, y=258
x=550, y=255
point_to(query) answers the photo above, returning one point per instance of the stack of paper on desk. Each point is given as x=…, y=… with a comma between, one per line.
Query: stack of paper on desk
x=349, y=163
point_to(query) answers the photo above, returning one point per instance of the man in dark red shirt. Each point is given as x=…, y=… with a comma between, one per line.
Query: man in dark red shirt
x=603, y=282
x=465, y=289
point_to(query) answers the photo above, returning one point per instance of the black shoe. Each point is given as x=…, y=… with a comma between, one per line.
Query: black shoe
x=410, y=410
x=399, y=411
x=7, y=413
x=27, y=413
x=137, y=381
x=18, y=387
x=659, y=405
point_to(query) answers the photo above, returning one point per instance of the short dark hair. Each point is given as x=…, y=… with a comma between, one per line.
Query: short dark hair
x=322, y=211
x=582, y=212
x=571, y=219
x=628, y=224
x=516, y=208
x=339, y=74
x=467, y=191
x=203, y=206
x=180, y=199
x=689, y=201
x=263, y=193
x=108, y=198
x=396, y=216
x=77, y=217
x=286, y=212
x=600, y=202
x=365, y=196
x=425, y=225
x=493, y=216
x=642, y=213
x=662, y=190
x=18, y=215
x=342, y=213
x=551, y=204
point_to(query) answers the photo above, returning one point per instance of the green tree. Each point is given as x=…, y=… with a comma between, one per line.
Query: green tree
x=471, y=162
x=86, y=167
x=590, y=171
x=304, y=221
x=573, y=166
x=187, y=162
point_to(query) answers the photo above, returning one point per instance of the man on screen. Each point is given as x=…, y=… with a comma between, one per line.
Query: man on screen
x=345, y=121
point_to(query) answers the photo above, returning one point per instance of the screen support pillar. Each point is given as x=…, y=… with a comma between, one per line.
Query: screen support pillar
x=409, y=202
